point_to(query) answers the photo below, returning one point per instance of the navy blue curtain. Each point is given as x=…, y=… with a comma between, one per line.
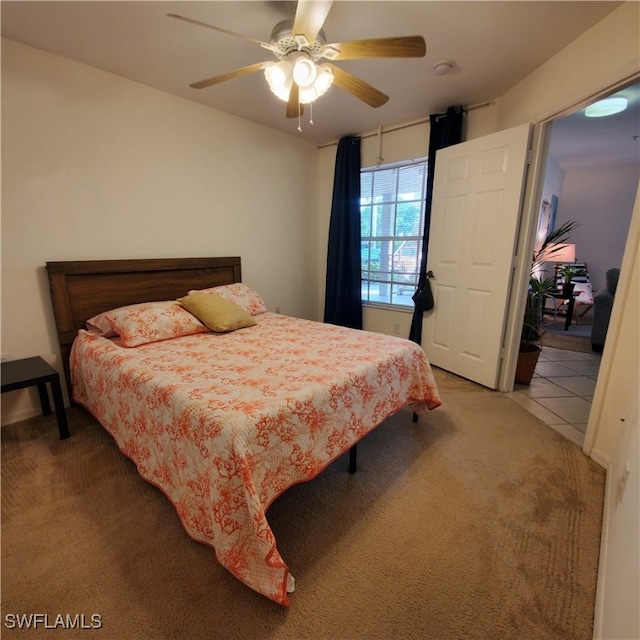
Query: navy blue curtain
x=343, y=302
x=446, y=130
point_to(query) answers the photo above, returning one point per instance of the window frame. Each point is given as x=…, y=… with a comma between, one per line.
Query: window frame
x=396, y=281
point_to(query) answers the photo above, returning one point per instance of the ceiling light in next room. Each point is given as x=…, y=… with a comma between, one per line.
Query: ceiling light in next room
x=606, y=107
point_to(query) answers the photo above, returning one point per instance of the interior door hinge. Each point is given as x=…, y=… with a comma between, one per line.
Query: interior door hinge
x=529, y=156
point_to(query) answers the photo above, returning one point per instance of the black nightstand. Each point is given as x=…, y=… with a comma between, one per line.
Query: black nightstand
x=19, y=374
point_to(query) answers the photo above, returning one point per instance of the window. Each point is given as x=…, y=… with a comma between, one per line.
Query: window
x=391, y=231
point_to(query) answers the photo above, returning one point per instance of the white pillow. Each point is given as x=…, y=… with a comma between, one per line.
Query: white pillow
x=585, y=292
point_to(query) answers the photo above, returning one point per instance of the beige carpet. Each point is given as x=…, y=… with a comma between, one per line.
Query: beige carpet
x=477, y=522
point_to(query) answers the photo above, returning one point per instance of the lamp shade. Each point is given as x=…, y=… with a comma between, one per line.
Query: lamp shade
x=561, y=253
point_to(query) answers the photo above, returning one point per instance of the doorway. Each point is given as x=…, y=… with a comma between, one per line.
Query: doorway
x=593, y=169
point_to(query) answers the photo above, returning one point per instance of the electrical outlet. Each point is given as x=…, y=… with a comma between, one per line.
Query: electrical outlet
x=4, y=356
x=277, y=309
x=396, y=329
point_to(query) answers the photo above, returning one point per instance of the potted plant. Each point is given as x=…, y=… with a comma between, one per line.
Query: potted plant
x=539, y=288
x=530, y=348
x=568, y=272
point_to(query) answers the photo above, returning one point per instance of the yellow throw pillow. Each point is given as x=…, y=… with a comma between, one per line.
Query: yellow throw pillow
x=215, y=312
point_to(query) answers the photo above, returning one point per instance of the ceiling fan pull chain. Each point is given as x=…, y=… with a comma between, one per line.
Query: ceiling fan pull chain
x=299, y=116
x=311, y=113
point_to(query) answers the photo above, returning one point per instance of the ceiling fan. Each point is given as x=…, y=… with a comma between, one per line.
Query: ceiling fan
x=300, y=44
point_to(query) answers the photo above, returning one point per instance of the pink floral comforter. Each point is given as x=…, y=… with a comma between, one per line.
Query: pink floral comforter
x=224, y=423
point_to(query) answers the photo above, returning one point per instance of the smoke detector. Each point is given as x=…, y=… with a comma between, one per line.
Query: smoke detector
x=443, y=67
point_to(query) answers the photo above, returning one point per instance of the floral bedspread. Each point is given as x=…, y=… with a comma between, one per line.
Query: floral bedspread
x=224, y=423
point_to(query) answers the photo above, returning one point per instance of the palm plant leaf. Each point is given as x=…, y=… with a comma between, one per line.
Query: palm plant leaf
x=539, y=287
x=556, y=237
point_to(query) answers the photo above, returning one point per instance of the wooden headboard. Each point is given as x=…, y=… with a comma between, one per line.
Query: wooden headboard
x=82, y=289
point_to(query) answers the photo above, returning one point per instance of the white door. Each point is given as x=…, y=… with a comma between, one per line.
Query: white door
x=477, y=197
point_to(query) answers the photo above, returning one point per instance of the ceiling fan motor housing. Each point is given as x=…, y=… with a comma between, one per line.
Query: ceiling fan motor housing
x=284, y=42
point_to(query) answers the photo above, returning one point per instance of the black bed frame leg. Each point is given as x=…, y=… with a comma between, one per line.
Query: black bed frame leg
x=353, y=452
x=353, y=459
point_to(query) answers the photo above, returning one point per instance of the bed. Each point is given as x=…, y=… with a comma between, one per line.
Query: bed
x=223, y=421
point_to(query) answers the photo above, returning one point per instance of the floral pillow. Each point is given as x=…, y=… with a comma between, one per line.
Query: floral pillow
x=101, y=325
x=240, y=294
x=139, y=324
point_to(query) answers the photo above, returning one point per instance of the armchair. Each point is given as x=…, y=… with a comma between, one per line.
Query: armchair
x=602, y=305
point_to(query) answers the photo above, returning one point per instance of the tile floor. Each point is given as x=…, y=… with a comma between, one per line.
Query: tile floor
x=561, y=390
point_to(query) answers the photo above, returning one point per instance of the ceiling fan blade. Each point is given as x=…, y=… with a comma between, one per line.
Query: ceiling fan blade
x=266, y=45
x=358, y=88
x=400, y=47
x=294, y=109
x=252, y=68
x=310, y=16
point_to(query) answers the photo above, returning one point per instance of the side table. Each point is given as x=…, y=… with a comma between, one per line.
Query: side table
x=558, y=295
x=28, y=372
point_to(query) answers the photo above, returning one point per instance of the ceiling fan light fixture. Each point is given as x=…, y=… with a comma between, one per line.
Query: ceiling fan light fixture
x=304, y=71
x=606, y=107
x=307, y=95
x=299, y=43
x=279, y=78
x=323, y=81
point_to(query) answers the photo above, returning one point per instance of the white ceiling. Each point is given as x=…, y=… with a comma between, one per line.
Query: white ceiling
x=578, y=142
x=493, y=46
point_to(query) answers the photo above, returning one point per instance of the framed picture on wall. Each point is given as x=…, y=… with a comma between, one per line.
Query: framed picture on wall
x=547, y=219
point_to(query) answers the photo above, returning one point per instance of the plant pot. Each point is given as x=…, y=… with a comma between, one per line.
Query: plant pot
x=567, y=289
x=527, y=361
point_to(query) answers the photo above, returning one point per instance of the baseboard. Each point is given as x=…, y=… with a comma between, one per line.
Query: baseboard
x=600, y=457
x=601, y=586
x=20, y=415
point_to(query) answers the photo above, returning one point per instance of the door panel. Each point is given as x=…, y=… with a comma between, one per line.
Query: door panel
x=477, y=197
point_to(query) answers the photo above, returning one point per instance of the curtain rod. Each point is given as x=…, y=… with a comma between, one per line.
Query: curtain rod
x=380, y=131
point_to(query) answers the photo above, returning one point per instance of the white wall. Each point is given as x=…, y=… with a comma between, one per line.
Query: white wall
x=601, y=200
x=612, y=438
x=98, y=167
